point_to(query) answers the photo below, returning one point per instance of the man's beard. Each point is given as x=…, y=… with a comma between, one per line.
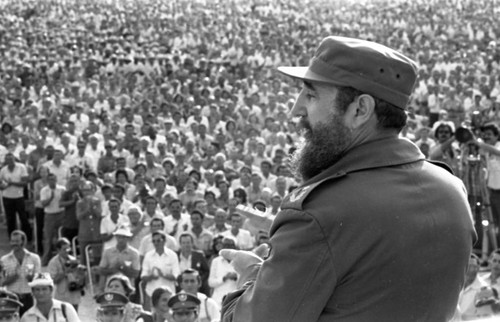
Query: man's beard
x=320, y=148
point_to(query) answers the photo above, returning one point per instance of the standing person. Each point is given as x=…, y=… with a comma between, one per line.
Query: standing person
x=63, y=269
x=9, y=307
x=59, y=167
x=160, y=267
x=19, y=266
x=48, y=309
x=202, y=238
x=13, y=179
x=491, y=148
x=50, y=196
x=223, y=277
x=156, y=224
x=88, y=213
x=39, y=213
x=356, y=241
x=120, y=258
x=193, y=259
x=190, y=282
x=68, y=201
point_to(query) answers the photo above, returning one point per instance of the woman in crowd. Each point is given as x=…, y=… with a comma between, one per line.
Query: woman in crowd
x=121, y=284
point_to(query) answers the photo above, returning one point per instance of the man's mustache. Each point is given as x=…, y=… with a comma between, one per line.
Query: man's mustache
x=303, y=125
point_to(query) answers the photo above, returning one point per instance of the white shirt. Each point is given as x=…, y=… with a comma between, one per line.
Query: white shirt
x=493, y=162
x=53, y=207
x=244, y=239
x=466, y=298
x=108, y=226
x=147, y=244
x=184, y=262
x=124, y=207
x=218, y=269
x=166, y=263
x=209, y=309
x=15, y=175
x=179, y=226
x=84, y=162
x=55, y=314
x=62, y=171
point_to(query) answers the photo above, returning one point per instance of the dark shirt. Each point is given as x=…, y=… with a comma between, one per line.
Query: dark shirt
x=69, y=220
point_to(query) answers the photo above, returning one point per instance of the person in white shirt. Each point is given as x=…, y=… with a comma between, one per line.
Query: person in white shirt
x=223, y=277
x=80, y=119
x=13, y=179
x=178, y=221
x=156, y=224
x=473, y=284
x=160, y=266
x=491, y=149
x=80, y=158
x=59, y=167
x=50, y=196
x=111, y=222
x=244, y=239
x=190, y=282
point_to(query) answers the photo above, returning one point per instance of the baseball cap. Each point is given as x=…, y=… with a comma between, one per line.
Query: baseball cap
x=364, y=65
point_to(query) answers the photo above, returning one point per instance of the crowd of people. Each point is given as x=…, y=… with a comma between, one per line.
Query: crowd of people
x=131, y=131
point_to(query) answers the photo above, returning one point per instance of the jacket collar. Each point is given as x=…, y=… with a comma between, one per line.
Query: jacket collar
x=373, y=154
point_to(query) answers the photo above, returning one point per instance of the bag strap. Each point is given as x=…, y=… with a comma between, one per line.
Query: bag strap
x=63, y=307
x=206, y=309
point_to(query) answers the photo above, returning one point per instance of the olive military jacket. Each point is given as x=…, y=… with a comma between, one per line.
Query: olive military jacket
x=382, y=235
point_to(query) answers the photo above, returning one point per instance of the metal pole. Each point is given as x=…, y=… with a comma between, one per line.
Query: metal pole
x=89, y=270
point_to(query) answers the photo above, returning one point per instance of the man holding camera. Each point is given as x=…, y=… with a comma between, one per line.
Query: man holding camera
x=67, y=274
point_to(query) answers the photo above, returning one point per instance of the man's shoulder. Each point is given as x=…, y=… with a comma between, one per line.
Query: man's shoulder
x=197, y=253
x=109, y=251
x=132, y=250
x=28, y=315
x=7, y=256
x=19, y=165
x=32, y=255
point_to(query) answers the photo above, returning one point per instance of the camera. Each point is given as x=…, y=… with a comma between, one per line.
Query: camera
x=75, y=274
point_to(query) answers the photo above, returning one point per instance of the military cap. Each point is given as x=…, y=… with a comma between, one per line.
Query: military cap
x=9, y=305
x=6, y=294
x=111, y=300
x=183, y=301
x=364, y=65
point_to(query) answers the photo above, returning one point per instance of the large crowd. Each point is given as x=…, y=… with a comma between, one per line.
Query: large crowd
x=131, y=131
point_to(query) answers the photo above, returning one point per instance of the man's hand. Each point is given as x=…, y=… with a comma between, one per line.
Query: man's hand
x=257, y=219
x=245, y=262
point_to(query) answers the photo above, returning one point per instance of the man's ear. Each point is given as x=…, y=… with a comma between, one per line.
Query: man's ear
x=361, y=110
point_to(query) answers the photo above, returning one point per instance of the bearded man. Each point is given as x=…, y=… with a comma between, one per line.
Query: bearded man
x=374, y=232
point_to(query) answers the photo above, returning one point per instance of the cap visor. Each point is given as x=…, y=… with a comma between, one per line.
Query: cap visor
x=305, y=73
